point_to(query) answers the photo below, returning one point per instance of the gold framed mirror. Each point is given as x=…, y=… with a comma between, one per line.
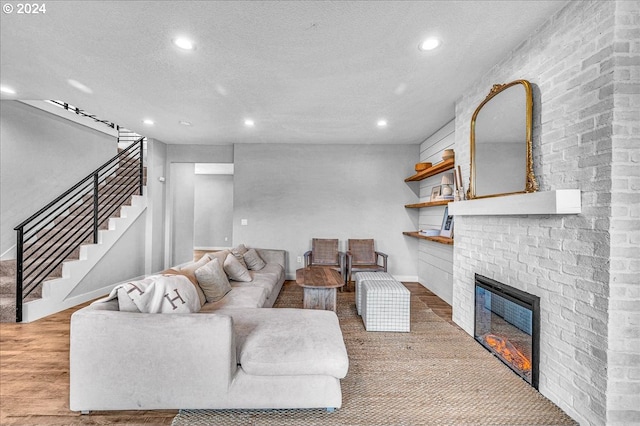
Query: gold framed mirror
x=501, y=157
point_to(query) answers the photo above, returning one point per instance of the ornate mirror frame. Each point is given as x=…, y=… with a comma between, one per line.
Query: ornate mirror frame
x=530, y=184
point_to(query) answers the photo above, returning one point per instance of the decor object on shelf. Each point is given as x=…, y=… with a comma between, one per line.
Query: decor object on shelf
x=500, y=145
x=442, y=166
x=447, y=181
x=446, y=230
x=430, y=232
x=459, y=196
x=448, y=154
x=435, y=193
x=422, y=166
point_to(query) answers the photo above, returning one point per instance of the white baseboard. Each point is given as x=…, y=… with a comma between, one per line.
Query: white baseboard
x=10, y=254
x=401, y=278
x=406, y=278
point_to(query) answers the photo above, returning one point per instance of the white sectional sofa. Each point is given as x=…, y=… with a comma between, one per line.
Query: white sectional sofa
x=237, y=353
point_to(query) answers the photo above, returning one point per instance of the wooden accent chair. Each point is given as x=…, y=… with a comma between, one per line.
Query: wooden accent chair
x=362, y=257
x=324, y=252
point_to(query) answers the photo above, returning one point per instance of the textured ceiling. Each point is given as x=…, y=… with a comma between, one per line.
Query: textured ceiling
x=305, y=72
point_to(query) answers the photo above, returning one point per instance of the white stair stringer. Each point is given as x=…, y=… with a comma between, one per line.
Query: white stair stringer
x=55, y=293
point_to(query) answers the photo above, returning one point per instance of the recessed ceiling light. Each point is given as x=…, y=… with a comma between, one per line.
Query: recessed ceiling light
x=430, y=43
x=184, y=123
x=382, y=123
x=148, y=122
x=7, y=90
x=81, y=87
x=249, y=122
x=184, y=43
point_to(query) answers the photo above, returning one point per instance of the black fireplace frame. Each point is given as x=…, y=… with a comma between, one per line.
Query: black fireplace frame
x=523, y=299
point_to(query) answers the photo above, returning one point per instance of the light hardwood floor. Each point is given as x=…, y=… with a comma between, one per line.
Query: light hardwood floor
x=34, y=373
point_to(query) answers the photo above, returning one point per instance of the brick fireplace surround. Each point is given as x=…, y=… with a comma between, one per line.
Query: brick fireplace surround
x=583, y=65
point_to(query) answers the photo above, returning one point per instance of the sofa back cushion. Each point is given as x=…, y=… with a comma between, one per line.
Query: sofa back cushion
x=253, y=260
x=213, y=280
x=235, y=270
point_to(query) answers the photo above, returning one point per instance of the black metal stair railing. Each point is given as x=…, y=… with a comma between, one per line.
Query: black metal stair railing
x=55, y=232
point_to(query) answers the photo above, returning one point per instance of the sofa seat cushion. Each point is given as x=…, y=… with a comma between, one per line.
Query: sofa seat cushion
x=267, y=278
x=281, y=342
x=272, y=271
x=239, y=297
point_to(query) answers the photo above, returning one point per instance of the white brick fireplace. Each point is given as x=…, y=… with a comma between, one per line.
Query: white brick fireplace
x=583, y=65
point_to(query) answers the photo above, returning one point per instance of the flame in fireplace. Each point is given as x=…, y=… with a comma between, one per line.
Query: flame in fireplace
x=508, y=352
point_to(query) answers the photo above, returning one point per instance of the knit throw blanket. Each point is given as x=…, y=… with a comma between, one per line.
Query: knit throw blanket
x=156, y=294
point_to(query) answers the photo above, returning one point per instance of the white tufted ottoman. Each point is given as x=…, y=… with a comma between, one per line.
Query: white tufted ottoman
x=368, y=276
x=385, y=306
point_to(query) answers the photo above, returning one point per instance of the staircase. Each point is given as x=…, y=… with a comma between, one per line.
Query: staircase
x=126, y=137
x=58, y=239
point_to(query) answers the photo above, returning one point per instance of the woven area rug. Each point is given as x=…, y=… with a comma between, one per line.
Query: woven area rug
x=434, y=375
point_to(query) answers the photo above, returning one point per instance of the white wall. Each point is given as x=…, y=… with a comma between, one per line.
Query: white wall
x=435, y=260
x=213, y=223
x=41, y=156
x=292, y=193
x=186, y=154
x=125, y=260
x=156, y=212
x=181, y=204
x=178, y=153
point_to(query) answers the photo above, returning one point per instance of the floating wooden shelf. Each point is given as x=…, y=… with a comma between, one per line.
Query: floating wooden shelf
x=434, y=170
x=428, y=204
x=441, y=240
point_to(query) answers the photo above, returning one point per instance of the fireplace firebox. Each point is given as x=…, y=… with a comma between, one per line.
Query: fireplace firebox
x=507, y=324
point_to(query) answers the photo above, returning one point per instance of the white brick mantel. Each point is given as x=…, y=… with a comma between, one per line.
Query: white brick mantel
x=560, y=201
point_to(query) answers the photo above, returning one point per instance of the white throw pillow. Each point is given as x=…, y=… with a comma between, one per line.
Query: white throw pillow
x=235, y=270
x=238, y=253
x=213, y=281
x=220, y=255
x=253, y=260
x=192, y=266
